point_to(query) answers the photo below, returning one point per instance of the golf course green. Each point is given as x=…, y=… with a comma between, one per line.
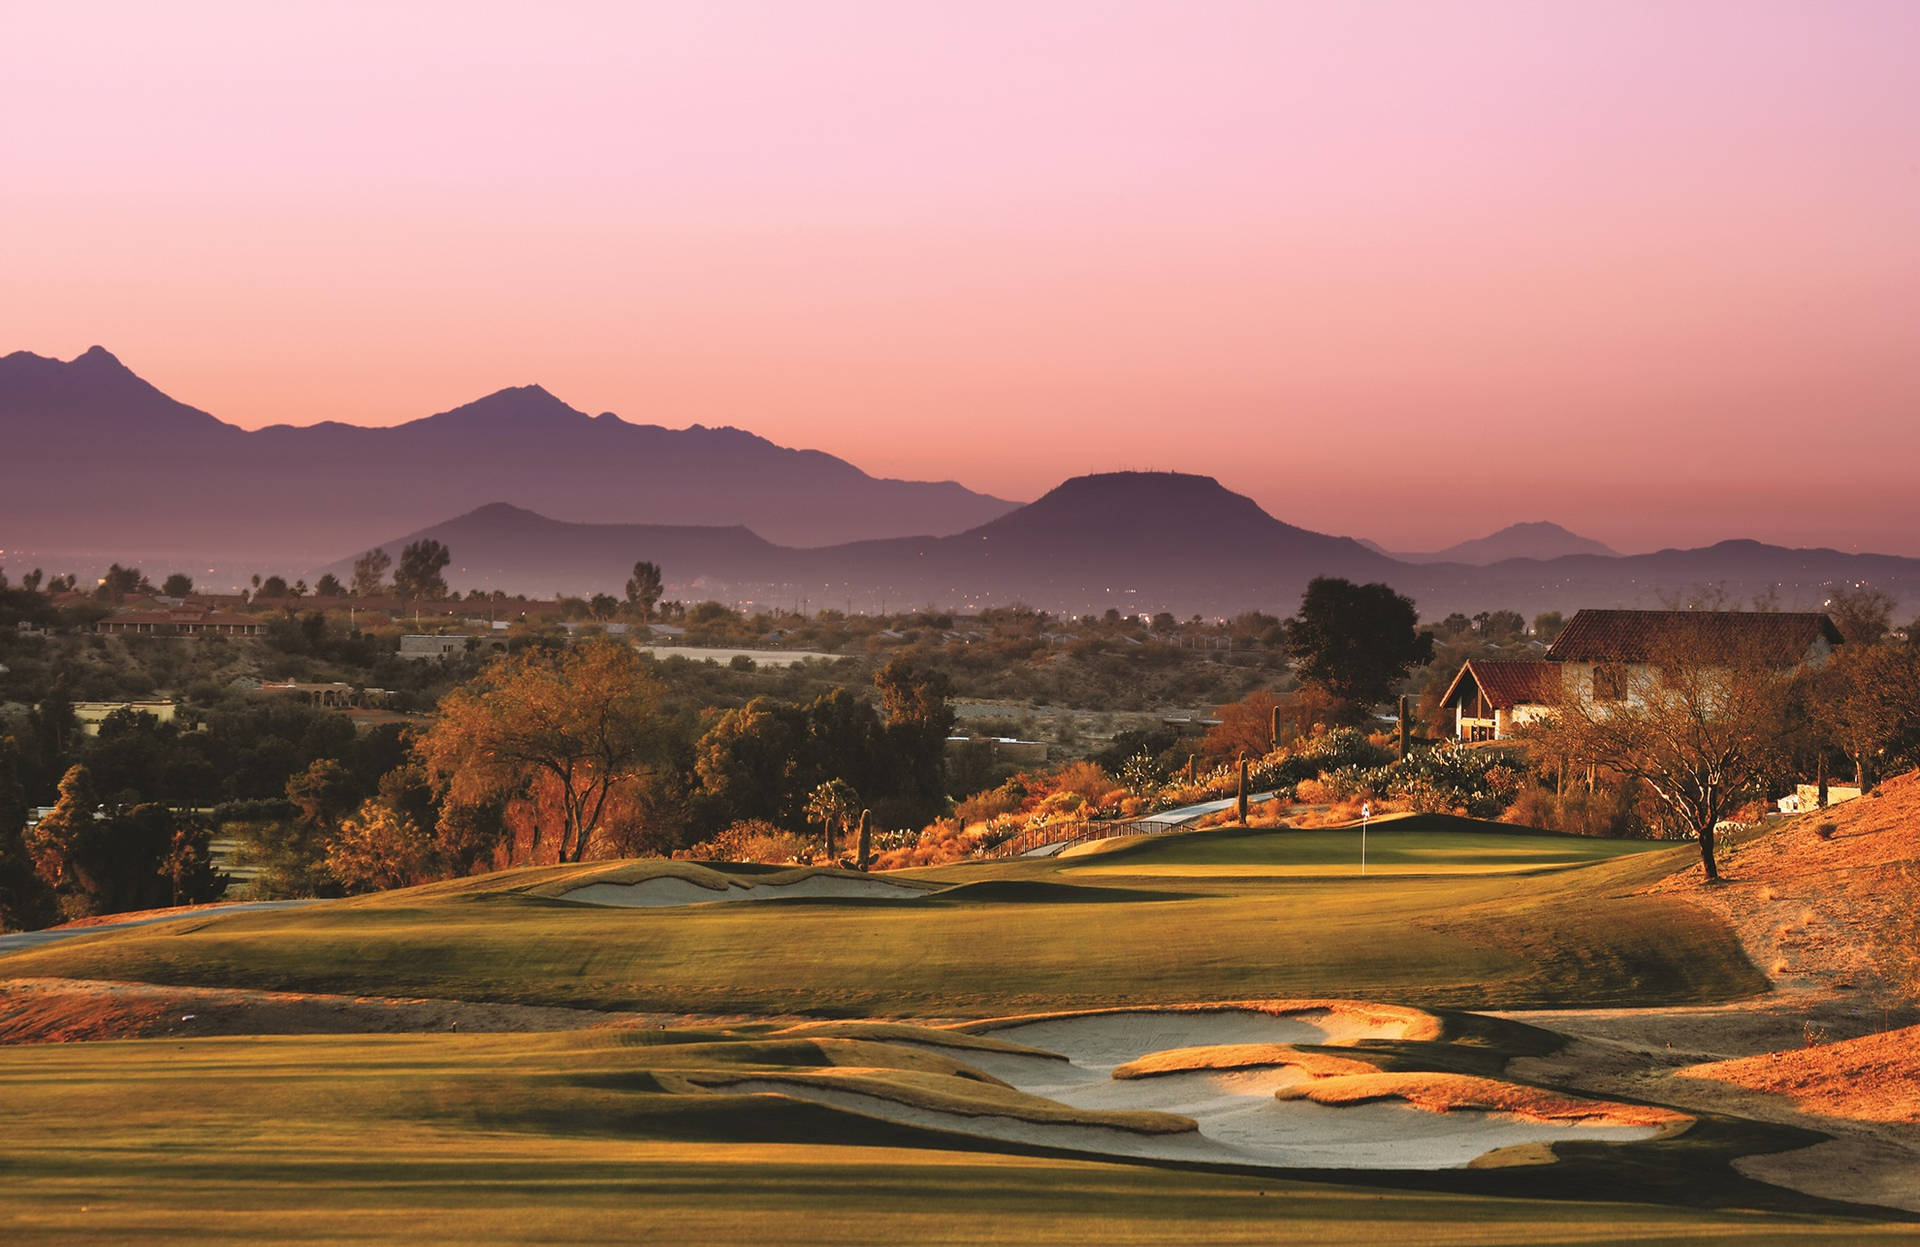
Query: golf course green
x=630, y=1130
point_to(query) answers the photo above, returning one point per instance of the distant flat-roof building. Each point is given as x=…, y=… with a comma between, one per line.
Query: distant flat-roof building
x=333, y=694
x=181, y=621
x=416, y=647
x=91, y=714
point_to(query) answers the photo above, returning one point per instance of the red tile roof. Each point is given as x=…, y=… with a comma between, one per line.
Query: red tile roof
x=1510, y=682
x=1782, y=637
x=184, y=617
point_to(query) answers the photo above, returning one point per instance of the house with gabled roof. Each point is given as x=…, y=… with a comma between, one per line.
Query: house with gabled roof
x=1605, y=653
x=1491, y=697
x=1602, y=655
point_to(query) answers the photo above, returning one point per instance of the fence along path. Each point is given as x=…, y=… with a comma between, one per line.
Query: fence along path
x=1061, y=835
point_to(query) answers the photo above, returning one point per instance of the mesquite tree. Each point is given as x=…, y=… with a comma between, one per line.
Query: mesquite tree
x=1702, y=731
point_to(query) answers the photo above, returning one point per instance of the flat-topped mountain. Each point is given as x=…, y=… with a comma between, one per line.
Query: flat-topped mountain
x=1113, y=526
x=1130, y=540
x=100, y=460
x=1133, y=541
x=97, y=460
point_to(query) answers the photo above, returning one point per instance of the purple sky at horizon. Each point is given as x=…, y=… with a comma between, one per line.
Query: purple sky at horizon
x=1409, y=271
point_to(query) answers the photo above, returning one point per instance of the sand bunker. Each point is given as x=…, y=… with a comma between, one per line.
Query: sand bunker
x=1221, y=1057
x=1205, y=1065
x=1238, y=1121
x=1114, y=1037
x=669, y=891
x=1449, y=1093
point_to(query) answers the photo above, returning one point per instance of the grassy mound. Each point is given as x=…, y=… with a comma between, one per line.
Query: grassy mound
x=583, y=1136
x=1581, y=936
x=1398, y=844
x=1046, y=891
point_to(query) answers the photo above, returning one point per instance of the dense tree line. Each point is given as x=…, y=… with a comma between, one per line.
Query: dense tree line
x=569, y=748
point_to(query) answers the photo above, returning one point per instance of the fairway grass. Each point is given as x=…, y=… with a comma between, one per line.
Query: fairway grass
x=590, y=1136
x=1396, y=845
x=627, y=1132
x=1024, y=939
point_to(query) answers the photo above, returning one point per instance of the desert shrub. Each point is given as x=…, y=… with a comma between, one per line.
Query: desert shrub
x=942, y=842
x=1058, y=805
x=1354, y=783
x=1600, y=813
x=1347, y=810
x=982, y=806
x=750, y=840
x=1443, y=780
x=1314, y=792
x=1085, y=780
x=1447, y=779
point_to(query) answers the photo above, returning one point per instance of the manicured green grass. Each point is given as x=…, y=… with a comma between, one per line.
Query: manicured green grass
x=597, y=1135
x=1397, y=845
x=581, y=1137
x=1488, y=941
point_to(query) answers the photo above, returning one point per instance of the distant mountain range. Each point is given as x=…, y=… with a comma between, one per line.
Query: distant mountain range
x=98, y=460
x=95, y=459
x=1134, y=541
x=1537, y=540
x=1130, y=540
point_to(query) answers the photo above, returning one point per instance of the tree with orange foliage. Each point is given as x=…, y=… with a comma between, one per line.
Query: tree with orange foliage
x=1246, y=727
x=587, y=720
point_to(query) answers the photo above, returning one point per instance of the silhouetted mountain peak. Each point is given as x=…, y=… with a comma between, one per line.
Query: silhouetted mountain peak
x=1531, y=539
x=92, y=394
x=100, y=359
x=521, y=443
x=500, y=513
x=516, y=407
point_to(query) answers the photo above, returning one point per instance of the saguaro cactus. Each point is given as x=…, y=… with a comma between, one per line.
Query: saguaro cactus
x=1192, y=760
x=866, y=838
x=1273, y=737
x=1240, y=802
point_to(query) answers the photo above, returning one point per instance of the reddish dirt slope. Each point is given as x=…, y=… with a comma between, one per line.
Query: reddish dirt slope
x=1873, y=1078
x=1829, y=914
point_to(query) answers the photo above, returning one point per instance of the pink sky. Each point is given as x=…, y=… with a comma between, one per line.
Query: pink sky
x=1408, y=271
